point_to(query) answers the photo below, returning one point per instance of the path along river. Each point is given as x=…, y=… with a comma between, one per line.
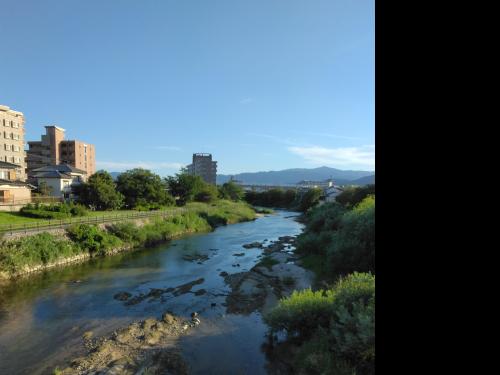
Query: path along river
x=43, y=318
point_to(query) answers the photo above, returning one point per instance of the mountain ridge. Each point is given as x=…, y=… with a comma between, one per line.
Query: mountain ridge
x=293, y=175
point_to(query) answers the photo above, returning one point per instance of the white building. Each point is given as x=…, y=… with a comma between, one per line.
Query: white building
x=60, y=179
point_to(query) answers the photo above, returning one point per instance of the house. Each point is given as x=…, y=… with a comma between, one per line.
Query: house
x=59, y=179
x=14, y=193
x=332, y=192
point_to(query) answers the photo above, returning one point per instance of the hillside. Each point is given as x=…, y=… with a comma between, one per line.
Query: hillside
x=292, y=176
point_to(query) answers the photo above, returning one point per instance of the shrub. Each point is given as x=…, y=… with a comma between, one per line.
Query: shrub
x=351, y=196
x=128, y=232
x=353, y=245
x=92, y=238
x=53, y=211
x=302, y=312
x=335, y=327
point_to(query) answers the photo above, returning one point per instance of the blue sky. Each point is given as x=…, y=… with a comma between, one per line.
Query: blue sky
x=261, y=84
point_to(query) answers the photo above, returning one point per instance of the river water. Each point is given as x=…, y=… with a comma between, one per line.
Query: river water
x=43, y=318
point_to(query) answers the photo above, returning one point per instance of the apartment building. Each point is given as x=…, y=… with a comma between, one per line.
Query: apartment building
x=53, y=149
x=12, y=140
x=203, y=166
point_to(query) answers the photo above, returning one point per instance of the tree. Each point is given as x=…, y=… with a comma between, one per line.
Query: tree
x=187, y=187
x=231, y=191
x=351, y=196
x=310, y=198
x=141, y=187
x=100, y=191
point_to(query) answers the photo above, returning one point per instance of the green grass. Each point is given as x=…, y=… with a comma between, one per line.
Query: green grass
x=19, y=254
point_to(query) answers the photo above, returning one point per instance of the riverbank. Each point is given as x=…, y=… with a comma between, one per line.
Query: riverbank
x=30, y=254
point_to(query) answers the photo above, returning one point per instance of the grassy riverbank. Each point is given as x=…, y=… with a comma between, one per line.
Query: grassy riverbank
x=82, y=241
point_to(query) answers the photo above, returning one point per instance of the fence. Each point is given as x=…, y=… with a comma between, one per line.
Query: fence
x=63, y=223
x=10, y=201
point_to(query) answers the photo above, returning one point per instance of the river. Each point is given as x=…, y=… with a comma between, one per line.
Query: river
x=43, y=318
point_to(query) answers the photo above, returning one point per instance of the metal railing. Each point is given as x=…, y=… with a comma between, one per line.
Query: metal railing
x=43, y=224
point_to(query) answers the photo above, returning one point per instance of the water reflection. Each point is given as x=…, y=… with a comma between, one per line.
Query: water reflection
x=42, y=318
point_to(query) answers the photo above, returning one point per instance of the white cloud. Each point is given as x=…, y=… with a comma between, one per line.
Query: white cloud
x=351, y=157
x=246, y=101
x=122, y=166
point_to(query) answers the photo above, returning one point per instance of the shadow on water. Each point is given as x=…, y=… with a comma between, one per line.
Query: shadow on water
x=42, y=318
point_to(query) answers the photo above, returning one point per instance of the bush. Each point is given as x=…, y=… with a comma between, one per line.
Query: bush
x=92, y=238
x=128, y=232
x=53, y=211
x=335, y=327
x=351, y=196
x=352, y=247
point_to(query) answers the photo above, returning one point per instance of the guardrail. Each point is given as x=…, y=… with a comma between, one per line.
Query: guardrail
x=63, y=223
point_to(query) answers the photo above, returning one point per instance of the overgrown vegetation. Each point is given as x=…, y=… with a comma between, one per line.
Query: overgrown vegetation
x=53, y=211
x=351, y=196
x=93, y=239
x=16, y=256
x=280, y=198
x=344, y=238
x=334, y=328
x=40, y=249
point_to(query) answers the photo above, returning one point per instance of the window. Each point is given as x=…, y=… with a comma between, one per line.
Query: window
x=12, y=124
x=16, y=125
x=3, y=122
x=16, y=148
x=7, y=147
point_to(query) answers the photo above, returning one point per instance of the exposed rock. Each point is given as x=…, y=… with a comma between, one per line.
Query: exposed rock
x=195, y=257
x=130, y=350
x=253, y=245
x=223, y=274
x=239, y=254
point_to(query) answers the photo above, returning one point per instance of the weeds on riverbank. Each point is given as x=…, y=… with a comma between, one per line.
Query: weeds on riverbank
x=334, y=329
x=16, y=256
x=42, y=248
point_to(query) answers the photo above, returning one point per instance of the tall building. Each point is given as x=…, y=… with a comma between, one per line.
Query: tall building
x=53, y=149
x=204, y=167
x=12, y=140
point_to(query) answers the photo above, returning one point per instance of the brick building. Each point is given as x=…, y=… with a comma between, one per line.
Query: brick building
x=53, y=149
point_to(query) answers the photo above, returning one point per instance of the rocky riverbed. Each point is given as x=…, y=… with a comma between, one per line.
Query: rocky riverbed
x=149, y=346
x=144, y=347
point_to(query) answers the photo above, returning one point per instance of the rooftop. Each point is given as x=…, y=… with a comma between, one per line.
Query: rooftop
x=61, y=168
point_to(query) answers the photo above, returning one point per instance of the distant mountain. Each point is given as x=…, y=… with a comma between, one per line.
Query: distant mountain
x=292, y=176
x=367, y=180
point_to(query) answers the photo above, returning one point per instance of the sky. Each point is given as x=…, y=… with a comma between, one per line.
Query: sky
x=262, y=84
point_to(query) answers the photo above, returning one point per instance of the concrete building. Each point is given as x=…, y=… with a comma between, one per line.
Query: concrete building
x=60, y=179
x=12, y=140
x=13, y=193
x=306, y=184
x=53, y=149
x=204, y=167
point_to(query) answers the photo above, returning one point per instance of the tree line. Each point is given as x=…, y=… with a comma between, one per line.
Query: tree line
x=142, y=189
